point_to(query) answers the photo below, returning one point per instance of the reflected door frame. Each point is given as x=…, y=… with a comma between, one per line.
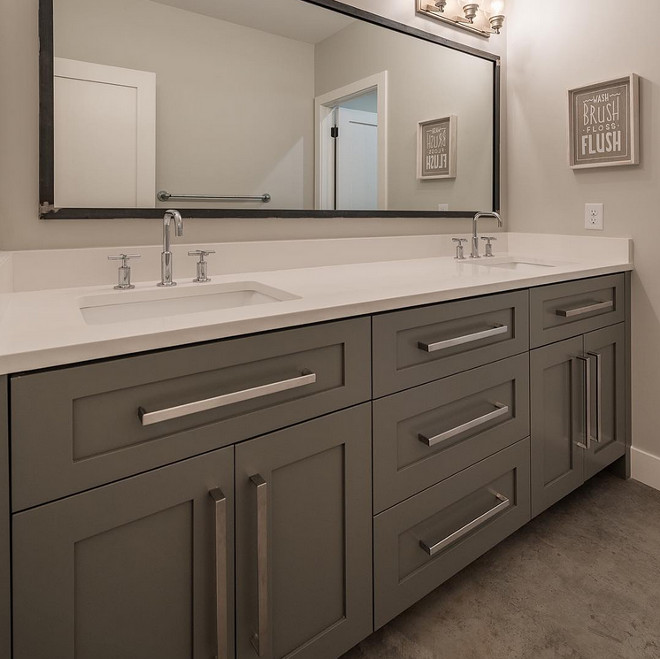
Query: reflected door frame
x=324, y=197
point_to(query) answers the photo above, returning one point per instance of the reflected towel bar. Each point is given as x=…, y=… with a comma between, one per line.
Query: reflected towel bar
x=163, y=195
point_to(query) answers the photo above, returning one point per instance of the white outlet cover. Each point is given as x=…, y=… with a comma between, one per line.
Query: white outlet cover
x=443, y=207
x=593, y=217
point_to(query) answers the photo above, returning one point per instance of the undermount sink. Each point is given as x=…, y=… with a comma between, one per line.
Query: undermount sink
x=122, y=306
x=518, y=265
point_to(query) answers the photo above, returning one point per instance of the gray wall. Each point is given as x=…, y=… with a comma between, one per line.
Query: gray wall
x=551, y=51
x=207, y=141
x=424, y=82
x=20, y=227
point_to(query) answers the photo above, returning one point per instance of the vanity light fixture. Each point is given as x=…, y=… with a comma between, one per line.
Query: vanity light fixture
x=485, y=17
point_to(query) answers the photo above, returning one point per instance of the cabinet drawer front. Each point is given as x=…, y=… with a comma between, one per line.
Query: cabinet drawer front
x=426, y=434
x=76, y=428
x=128, y=570
x=420, y=345
x=560, y=311
x=424, y=541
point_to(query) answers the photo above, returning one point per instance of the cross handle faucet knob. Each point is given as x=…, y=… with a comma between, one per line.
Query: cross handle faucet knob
x=202, y=265
x=124, y=271
x=489, y=246
x=460, y=256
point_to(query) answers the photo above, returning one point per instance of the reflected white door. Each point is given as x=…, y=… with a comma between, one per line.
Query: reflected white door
x=105, y=136
x=356, y=160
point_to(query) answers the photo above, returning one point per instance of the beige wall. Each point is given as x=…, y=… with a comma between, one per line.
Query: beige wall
x=550, y=51
x=207, y=140
x=451, y=82
x=20, y=227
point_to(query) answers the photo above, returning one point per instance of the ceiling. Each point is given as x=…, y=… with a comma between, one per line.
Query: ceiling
x=294, y=19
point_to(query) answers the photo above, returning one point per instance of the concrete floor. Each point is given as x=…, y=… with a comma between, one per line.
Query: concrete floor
x=582, y=581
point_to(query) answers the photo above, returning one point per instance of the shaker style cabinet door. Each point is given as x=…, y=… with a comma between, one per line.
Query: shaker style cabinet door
x=303, y=539
x=606, y=351
x=557, y=421
x=138, y=569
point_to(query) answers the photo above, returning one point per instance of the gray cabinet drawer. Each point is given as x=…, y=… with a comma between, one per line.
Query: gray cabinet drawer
x=76, y=428
x=560, y=311
x=425, y=540
x=420, y=345
x=428, y=433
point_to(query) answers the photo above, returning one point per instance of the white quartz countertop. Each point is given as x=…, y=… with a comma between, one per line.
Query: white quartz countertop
x=45, y=328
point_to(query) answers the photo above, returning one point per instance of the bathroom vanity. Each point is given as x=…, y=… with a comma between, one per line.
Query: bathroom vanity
x=283, y=493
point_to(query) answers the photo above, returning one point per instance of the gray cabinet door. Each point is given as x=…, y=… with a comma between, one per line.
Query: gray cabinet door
x=5, y=555
x=127, y=570
x=606, y=350
x=303, y=539
x=557, y=413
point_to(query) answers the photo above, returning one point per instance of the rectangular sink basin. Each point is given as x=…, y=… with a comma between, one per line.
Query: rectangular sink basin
x=518, y=265
x=122, y=306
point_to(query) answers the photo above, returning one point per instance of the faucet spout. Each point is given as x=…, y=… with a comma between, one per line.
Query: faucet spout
x=166, y=255
x=475, y=237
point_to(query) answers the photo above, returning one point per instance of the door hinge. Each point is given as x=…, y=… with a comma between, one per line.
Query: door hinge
x=334, y=131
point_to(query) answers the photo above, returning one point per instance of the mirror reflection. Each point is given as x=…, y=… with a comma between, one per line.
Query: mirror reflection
x=270, y=104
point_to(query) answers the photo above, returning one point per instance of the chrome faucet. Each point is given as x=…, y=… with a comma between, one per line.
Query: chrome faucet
x=166, y=255
x=475, y=237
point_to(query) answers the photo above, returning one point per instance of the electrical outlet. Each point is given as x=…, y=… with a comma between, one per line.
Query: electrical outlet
x=593, y=217
x=443, y=207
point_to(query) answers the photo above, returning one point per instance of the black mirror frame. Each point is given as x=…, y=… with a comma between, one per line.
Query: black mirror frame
x=47, y=137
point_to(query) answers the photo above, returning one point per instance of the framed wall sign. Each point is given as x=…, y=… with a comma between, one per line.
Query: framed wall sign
x=436, y=148
x=603, y=123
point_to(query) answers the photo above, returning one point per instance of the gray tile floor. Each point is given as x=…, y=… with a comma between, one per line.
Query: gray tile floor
x=582, y=581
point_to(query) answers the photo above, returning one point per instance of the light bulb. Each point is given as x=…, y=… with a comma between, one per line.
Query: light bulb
x=496, y=7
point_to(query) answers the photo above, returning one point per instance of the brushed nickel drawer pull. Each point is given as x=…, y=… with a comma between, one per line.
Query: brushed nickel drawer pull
x=260, y=639
x=502, y=410
x=460, y=340
x=598, y=437
x=221, y=627
x=432, y=550
x=608, y=305
x=149, y=418
x=586, y=402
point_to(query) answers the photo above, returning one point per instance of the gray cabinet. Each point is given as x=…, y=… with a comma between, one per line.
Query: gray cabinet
x=129, y=569
x=303, y=539
x=578, y=411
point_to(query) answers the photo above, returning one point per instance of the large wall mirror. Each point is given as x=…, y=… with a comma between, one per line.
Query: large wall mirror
x=289, y=108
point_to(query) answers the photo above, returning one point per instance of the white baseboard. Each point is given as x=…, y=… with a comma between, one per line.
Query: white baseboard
x=646, y=468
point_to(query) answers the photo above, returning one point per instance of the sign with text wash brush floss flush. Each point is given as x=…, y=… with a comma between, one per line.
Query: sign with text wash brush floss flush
x=604, y=124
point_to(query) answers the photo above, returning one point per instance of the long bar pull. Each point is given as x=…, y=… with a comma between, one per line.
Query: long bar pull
x=163, y=195
x=598, y=437
x=502, y=410
x=582, y=311
x=221, y=628
x=149, y=418
x=586, y=361
x=260, y=640
x=460, y=340
x=432, y=550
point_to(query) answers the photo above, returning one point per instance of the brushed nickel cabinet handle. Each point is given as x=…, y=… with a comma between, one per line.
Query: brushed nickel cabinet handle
x=260, y=639
x=460, y=340
x=586, y=362
x=590, y=308
x=432, y=550
x=598, y=437
x=149, y=418
x=221, y=597
x=502, y=410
